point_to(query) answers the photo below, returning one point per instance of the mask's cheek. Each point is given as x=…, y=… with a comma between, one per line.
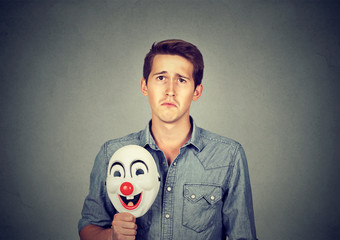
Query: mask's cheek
x=112, y=185
x=146, y=182
x=148, y=198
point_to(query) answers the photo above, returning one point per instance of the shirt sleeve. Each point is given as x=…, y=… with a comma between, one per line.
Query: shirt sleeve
x=238, y=213
x=97, y=208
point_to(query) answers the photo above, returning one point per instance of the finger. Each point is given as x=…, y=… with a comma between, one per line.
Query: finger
x=124, y=217
x=123, y=233
x=124, y=224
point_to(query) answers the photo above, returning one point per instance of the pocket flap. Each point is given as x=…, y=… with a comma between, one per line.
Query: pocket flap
x=195, y=192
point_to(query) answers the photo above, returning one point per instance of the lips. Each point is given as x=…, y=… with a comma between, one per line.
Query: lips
x=169, y=104
x=130, y=204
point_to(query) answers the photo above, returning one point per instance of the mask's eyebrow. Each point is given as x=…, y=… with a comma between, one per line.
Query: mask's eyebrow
x=138, y=161
x=117, y=163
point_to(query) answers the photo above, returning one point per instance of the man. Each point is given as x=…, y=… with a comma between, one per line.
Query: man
x=205, y=189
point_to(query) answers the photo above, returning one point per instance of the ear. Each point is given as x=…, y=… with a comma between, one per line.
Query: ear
x=197, y=92
x=144, y=87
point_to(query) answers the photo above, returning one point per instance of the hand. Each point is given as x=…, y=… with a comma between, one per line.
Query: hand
x=124, y=226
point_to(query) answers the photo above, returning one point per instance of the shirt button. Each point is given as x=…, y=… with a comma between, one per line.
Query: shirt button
x=175, y=163
x=169, y=189
x=167, y=215
x=212, y=198
x=193, y=196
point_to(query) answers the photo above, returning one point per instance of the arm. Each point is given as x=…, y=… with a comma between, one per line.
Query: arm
x=238, y=214
x=123, y=227
x=97, y=209
x=95, y=232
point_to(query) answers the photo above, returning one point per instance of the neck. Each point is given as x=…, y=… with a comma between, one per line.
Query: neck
x=170, y=137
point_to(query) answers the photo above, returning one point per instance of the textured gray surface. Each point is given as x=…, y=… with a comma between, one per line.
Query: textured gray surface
x=70, y=74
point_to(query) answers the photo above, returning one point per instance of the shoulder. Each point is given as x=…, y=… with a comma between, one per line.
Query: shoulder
x=210, y=138
x=132, y=138
x=217, y=150
x=113, y=145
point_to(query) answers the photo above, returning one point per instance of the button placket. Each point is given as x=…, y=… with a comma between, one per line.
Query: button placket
x=168, y=202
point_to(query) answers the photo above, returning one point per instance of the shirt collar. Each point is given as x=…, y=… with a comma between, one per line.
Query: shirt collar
x=146, y=137
x=195, y=139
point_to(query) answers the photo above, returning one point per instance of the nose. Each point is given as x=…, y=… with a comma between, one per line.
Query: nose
x=126, y=188
x=170, y=89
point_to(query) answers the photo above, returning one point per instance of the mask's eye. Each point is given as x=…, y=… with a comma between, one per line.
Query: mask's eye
x=138, y=168
x=117, y=174
x=139, y=172
x=117, y=170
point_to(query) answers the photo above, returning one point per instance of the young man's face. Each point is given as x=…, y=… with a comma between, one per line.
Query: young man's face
x=171, y=88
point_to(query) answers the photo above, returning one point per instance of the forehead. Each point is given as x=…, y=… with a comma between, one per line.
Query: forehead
x=172, y=63
x=126, y=156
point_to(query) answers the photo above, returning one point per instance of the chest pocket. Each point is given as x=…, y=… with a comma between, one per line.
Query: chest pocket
x=202, y=206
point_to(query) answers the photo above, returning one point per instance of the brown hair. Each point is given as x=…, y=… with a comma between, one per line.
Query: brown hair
x=176, y=47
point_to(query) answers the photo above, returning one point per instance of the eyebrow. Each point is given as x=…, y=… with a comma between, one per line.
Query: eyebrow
x=164, y=72
x=179, y=75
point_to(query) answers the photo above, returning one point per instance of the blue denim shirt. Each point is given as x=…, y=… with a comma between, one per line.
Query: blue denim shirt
x=205, y=193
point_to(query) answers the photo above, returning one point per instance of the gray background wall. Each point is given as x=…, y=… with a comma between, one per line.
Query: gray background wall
x=70, y=74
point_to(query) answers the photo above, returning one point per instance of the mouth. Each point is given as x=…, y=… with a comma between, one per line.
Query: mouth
x=130, y=203
x=169, y=104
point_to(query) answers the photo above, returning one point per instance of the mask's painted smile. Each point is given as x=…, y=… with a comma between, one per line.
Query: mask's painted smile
x=131, y=203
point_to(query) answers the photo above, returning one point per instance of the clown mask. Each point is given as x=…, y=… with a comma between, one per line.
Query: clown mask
x=132, y=180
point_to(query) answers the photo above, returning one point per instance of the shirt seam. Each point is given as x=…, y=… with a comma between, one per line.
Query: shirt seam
x=232, y=164
x=229, y=141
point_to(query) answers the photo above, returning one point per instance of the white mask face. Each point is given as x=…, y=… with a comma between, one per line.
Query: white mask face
x=132, y=180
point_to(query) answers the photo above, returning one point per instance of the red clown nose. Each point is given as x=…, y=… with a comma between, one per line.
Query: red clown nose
x=126, y=188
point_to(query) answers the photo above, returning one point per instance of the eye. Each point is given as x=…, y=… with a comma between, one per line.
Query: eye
x=138, y=168
x=117, y=170
x=161, y=78
x=182, y=80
